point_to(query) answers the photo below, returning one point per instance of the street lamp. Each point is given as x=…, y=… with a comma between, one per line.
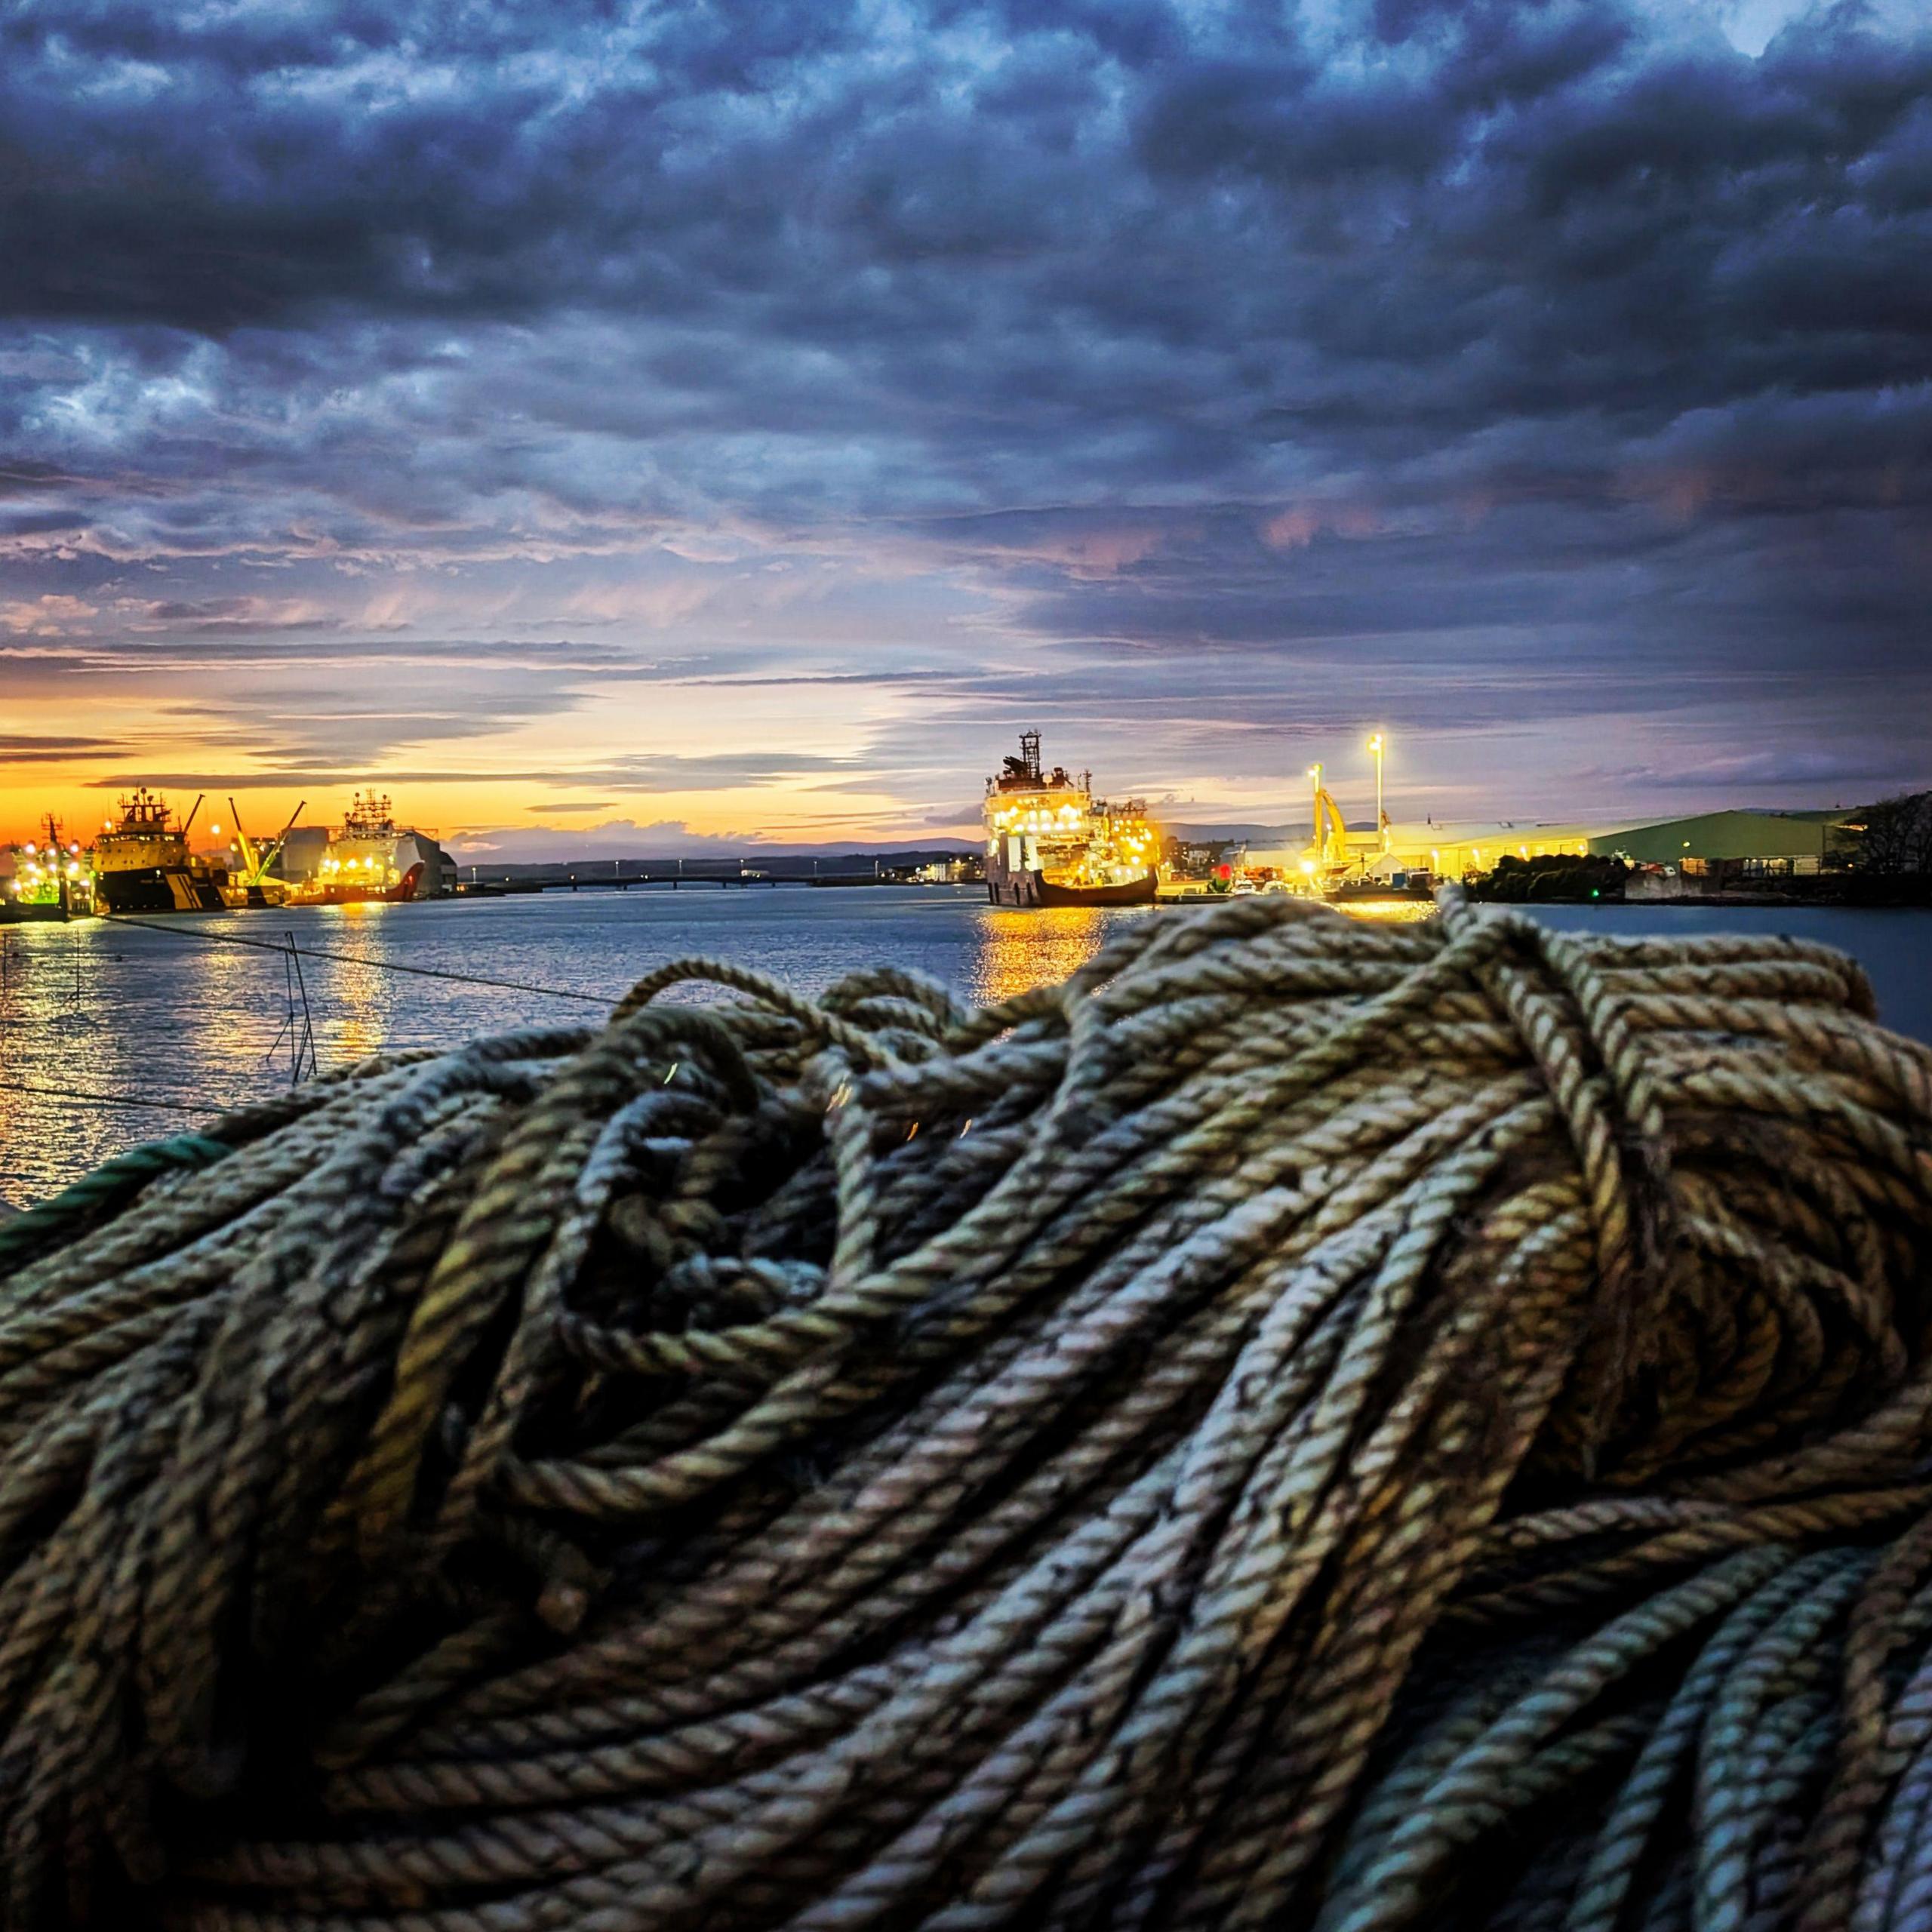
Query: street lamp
x=1381, y=817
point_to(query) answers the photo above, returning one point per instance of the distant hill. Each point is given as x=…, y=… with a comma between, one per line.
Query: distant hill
x=779, y=862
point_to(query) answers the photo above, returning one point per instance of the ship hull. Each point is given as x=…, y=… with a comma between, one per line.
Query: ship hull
x=157, y=889
x=409, y=886
x=1029, y=890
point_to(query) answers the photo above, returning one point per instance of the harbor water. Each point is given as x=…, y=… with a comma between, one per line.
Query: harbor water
x=113, y=1033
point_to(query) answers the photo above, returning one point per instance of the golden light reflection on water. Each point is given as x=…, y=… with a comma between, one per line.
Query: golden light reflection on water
x=1019, y=951
x=357, y=995
x=1016, y=951
x=1389, y=912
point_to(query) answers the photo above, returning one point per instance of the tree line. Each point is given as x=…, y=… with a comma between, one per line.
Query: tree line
x=1897, y=837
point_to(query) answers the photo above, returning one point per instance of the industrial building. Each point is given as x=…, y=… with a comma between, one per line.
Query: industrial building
x=1340, y=856
x=1453, y=850
x=1711, y=843
x=1782, y=842
x=1443, y=849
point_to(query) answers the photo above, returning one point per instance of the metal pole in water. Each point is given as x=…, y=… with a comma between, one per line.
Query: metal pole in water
x=303, y=1041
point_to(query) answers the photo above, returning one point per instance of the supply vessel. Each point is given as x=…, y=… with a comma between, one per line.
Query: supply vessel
x=1050, y=842
x=143, y=864
x=370, y=859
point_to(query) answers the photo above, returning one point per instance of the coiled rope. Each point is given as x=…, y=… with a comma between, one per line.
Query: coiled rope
x=1302, y=1424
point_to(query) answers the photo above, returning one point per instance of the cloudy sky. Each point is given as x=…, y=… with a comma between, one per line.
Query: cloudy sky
x=625, y=426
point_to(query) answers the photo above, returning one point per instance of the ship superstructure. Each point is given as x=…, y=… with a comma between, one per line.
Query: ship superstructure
x=143, y=863
x=1050, y=842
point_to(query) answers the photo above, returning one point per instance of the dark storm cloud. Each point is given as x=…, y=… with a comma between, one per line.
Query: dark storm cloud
x=1517, y=350
x=1574, y=207
x=221, y=166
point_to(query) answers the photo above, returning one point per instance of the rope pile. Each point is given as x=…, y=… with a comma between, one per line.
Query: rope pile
x=1304, y=1423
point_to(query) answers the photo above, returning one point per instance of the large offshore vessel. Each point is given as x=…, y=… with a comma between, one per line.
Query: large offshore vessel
x=369, y=859
x=143, y=864
x=1050, y=842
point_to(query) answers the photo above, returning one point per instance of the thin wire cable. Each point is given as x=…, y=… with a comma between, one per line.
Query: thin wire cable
x=93, y=1097
x=359, y=959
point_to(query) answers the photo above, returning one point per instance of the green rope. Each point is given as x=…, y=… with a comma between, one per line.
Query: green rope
x=102, y=1192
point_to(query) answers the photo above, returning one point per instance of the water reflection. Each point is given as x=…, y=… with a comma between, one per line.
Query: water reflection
x=355, y=998
x=162, y=1019
x=1389, y=912
x=1019, y=951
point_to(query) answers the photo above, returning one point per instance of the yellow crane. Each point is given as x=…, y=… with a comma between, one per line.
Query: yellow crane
x=256, y=889
x=1328, y=846
x=1331, y=831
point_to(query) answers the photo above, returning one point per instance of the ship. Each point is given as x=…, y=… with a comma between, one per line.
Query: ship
x=143, y=864
x=1050, y=842
x=371, y=859
x=49, y=878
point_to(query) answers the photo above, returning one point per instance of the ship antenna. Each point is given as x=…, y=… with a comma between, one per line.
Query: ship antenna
x=1029, y=753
